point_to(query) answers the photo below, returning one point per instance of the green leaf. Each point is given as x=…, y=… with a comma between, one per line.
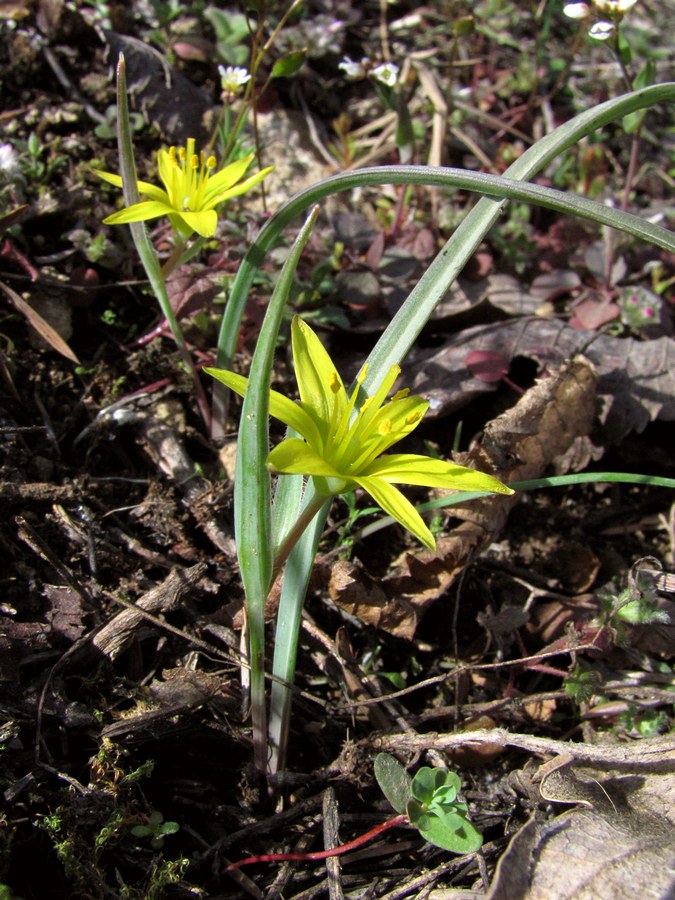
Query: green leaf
x=623, y=48
x=451, y=831
x=405, y=134
x=393, y=780
x=425, y=782
x=446, y=794
x=437, y=786
x=289, y=64
x=464, y=26
x=646, y=76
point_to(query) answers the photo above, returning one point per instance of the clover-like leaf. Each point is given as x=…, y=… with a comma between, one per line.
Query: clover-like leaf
x=424, y=784
x=446, y=795
x=435, y=785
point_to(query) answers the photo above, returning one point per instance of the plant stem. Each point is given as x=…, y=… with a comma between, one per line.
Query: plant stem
x=142, y=242
x=291, y=539
x=322, y=854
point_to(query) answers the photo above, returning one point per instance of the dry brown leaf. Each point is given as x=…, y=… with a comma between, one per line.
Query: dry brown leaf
x=618, y=842
x=635, y=378
x=190, y=290
x=520, y=444
x=43, y=328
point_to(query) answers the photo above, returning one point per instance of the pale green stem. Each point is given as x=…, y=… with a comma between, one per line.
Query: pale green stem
x=289, y=618
x=295, y=533
x=144, y=248
x=252, y=492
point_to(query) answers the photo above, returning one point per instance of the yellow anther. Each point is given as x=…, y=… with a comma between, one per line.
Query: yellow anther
x=194, y=161
x=335, y=383
x=211, y=162
x=385, y=427
x=182, y=154
x=172, y=153
x=412, y=418
x=201, y=157
x=399, y=395
x=366, y=403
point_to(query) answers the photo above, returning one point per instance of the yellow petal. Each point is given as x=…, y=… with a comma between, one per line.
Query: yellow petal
x=295, y=457
x=235, y=382
x=409, y=468
x=212, y=199
x=281, y=407
x=139, y=212
x=110, y=177
x=395, y=504
x=225, y=178
x=322, y=392
x=204, y=222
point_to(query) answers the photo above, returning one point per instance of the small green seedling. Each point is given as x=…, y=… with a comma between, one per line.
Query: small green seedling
x=430, y=800
x=155, y=828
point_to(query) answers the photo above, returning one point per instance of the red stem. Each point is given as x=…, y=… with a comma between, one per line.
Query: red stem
x=322, y=854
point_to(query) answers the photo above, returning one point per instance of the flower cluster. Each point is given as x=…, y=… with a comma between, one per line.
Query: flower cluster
x=340, y=447
x=609, y=13
x=192, y=190
x=385, y=73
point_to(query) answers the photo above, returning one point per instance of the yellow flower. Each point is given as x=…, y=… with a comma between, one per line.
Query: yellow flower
x=341, y=447
x=192, y=190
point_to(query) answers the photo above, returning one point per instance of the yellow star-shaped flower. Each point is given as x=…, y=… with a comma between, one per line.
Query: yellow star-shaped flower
x=192, y=190
x=341, y=446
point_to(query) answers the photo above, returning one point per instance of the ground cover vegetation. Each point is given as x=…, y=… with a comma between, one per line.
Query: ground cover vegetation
x=221, y=664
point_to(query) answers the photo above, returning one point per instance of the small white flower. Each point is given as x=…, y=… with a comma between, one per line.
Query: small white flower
x=577, y=10
x=353, y=69
x=614, y=7
x=233, y=78
x=387, y=73
x=601, y=31
x=8, y=160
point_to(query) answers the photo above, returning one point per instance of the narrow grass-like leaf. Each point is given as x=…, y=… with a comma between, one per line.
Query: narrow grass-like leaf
x=252, y=492
x=533, y=484
x=289, y=617
x=467, y=236
x=411, y=318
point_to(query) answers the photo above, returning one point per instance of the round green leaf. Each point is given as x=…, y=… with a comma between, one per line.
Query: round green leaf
x=451, y=832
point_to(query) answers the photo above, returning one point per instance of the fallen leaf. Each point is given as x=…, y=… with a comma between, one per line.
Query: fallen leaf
x=618, y=841
x=190, y=290
x=510, y=295
x=593, y=311
x=487, y=366
x=636, y=379
x=519, y=445
x=43, y=328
